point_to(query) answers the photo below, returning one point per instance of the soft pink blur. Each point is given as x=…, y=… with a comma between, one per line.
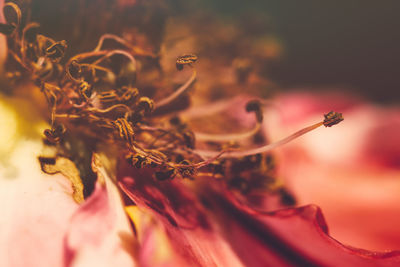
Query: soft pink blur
x=41, y=224
x=350, y=170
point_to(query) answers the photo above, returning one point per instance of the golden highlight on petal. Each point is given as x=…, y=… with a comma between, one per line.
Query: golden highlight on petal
x=68, y=169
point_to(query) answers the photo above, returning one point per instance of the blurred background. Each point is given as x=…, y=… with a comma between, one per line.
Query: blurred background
x=348, y=45
x=353, y=45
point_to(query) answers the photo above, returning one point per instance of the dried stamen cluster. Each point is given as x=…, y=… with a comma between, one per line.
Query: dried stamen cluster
x=95, y=92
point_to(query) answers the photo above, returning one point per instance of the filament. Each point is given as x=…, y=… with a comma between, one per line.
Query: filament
x=262, y=149
x=227, y=137
x=134, y=49
x=177, y=93
x=211, y=109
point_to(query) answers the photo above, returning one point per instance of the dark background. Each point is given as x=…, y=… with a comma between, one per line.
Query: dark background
x=351, y=44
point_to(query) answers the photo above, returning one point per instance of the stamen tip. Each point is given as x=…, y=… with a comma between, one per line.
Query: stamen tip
x=185, y=60
x=255, y=106
x=332, y=118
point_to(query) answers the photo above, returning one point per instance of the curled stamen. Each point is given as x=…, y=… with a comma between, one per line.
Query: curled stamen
x=116, y=52
x=125, y=130
x=56, y=50
x=177, y=93
x=17, y=13
x=113, y=37
x=269, y=147
x=110, y=108
x=134, y=49
x=27, y=28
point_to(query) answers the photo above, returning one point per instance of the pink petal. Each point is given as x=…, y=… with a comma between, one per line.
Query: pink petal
x=185, y=221
x=291, y=237
x=95, y=238
x=383, y=145
x=35, y=211
x=207, y=219
x=350, y=171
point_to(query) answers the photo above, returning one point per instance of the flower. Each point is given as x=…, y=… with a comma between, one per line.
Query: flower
x=193, y=197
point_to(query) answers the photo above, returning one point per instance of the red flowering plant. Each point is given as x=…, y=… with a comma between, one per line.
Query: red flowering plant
x=196, y=189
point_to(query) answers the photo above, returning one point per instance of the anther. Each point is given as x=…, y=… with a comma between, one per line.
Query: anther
x=129, y=94
x=85, y=90
x=186, y=169
x=56, y=50
x=255, y=106
x=146, y=104
x=125, y=130
x=54, y=135
x=138, y=161
x=332, y=118
x=185, y=60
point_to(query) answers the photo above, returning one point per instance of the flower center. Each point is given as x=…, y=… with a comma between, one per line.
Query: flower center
x=94, y=96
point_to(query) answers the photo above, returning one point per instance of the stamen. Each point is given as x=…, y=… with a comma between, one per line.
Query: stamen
x=330, y=121
x=109, y=108
x=125, y=130
x=134, y=49
x=227, y=137
x=251, y=106
x=113, y=37
x=17, y=13
x=56, y=51
x=180, y=62
x=116, y=52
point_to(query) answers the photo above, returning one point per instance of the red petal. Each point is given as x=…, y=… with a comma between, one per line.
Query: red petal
x=292, y=237
x=184, y=218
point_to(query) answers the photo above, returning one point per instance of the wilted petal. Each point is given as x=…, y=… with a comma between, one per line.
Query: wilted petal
x=291, y=237
x=215, y=221
x=190, y=232
x=99, y=233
